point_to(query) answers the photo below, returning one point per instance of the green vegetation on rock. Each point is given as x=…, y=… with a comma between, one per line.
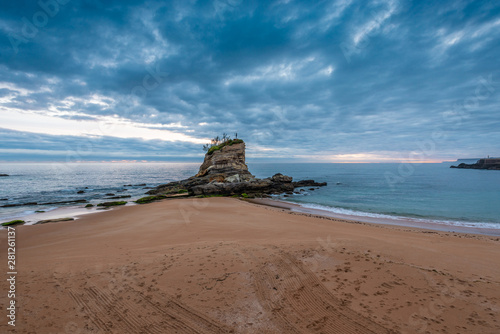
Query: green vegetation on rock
x=13, y=222
x=107, y=204
x=227, y=143
x=150, y=199
x=218, y=143
x=89, y=205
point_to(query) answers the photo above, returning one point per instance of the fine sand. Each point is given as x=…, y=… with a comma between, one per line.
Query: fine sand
x=222, y=265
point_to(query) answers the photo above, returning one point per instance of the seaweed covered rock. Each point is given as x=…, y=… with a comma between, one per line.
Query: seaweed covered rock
x=54, y=220
x=14, y=222
x=108, y=204
x=150, y=199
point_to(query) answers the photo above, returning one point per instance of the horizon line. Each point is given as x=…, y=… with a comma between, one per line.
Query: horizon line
x=259, y=160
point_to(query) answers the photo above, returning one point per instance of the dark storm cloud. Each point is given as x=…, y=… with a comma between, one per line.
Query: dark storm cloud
x=299, y=78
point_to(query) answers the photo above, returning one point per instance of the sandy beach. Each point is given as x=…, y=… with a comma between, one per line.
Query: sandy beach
x=222, y=265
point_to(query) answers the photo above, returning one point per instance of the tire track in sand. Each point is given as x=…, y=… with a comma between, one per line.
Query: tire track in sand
x=301, y=303
x=133, y=312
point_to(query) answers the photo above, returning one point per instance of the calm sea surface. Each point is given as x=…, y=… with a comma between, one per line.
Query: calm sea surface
x=430, y=192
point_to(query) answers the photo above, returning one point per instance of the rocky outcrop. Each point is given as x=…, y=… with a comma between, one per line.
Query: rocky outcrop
x=4, y=174
x=489, y=164
x=256, y=187
x=226, y=162
x=224, y=172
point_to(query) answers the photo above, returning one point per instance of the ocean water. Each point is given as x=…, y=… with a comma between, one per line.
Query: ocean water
x=431, y=193
x=57, y=182
x=427, y=192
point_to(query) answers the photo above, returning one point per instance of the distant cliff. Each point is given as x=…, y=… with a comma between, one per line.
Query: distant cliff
x=489, y=164
x=224, y=172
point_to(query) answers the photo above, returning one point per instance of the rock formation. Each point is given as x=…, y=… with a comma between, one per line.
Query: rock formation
x=224, y=172
x=227, y=162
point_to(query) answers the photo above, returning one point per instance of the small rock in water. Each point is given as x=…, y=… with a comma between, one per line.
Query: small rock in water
x=81, y=192
x=39, y=211
x=118, y=197
x=19, y=204
x=140, y=185
x=110, y=194
x=4, y=174
x=309, y=183
x=312, y=189
x=4, y=199
x=63, y=202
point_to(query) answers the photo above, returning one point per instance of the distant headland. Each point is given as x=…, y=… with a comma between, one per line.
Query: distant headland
x=486, y=163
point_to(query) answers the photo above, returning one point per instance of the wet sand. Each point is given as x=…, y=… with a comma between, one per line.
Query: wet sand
x=398, y=221
x=222, y=265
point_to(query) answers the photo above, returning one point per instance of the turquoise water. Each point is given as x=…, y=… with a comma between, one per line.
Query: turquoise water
x=426, y=191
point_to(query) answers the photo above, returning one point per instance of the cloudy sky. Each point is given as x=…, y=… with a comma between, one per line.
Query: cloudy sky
x=322, y=81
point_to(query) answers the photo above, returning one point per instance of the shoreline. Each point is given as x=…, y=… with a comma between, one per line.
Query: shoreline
x=396, y=221
x=222, y=265
x=77, y=212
